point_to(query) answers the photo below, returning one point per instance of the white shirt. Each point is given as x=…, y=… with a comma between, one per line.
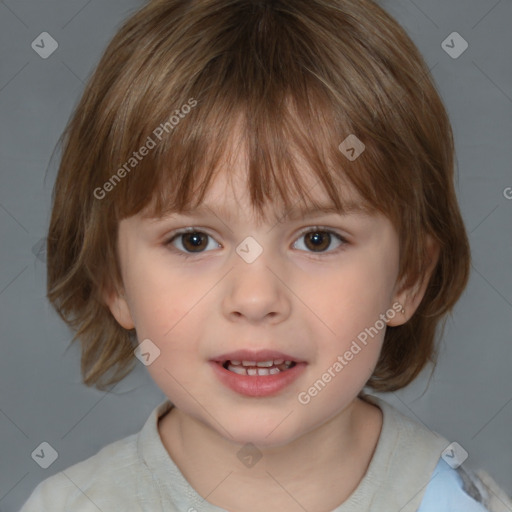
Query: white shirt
x=137, y=474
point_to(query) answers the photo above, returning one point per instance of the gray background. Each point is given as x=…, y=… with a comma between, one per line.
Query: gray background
x=469, y=399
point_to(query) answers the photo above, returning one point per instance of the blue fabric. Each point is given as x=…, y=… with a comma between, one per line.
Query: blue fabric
x=445, y=493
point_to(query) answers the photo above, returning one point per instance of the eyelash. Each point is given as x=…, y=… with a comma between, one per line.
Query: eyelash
x=311, y=229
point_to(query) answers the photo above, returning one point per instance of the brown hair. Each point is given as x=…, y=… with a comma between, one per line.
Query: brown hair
x=301, y=75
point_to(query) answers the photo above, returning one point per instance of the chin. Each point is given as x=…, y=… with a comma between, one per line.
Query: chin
x=268, y=433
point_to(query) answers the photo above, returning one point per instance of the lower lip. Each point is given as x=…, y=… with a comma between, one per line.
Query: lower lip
x=257, y=385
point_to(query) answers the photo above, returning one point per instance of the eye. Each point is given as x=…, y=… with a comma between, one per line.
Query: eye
x=192, y=240
x=318, y=238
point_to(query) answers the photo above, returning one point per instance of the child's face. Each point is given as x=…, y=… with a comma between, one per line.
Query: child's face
x=303, y=297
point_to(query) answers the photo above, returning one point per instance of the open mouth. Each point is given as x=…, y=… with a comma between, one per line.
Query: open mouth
x=261, y=373
x=259, y=368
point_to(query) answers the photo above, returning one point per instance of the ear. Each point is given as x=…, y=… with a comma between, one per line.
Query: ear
x=118, y=305
x=410, y=297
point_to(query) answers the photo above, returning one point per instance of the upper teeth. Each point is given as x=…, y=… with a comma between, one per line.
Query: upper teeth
x=270, y=367
x=261, y=364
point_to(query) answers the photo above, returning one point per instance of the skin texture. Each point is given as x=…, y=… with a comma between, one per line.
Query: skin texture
x=308, y=304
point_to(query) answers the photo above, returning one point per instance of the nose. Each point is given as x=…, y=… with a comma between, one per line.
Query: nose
x=256, y=292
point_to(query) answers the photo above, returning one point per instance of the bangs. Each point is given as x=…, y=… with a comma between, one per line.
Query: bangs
x=285, y=126
x=287, y=146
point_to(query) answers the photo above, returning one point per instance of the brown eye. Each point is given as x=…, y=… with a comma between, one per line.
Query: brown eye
x=194, y=242
x=191, y=241
x=318, y=240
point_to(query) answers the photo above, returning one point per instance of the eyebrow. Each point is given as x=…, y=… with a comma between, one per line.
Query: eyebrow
x=312, y=210
x=292, y=213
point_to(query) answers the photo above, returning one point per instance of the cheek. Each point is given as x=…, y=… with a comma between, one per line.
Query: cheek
x=166, y=306
x=160, y=297
x=352, y=297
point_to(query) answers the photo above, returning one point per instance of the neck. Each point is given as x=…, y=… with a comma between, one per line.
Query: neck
x=334, y=457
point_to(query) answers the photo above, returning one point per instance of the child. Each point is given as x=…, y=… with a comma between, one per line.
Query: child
x=300, y=149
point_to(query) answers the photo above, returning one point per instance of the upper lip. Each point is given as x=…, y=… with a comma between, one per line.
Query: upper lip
x=256, y=356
